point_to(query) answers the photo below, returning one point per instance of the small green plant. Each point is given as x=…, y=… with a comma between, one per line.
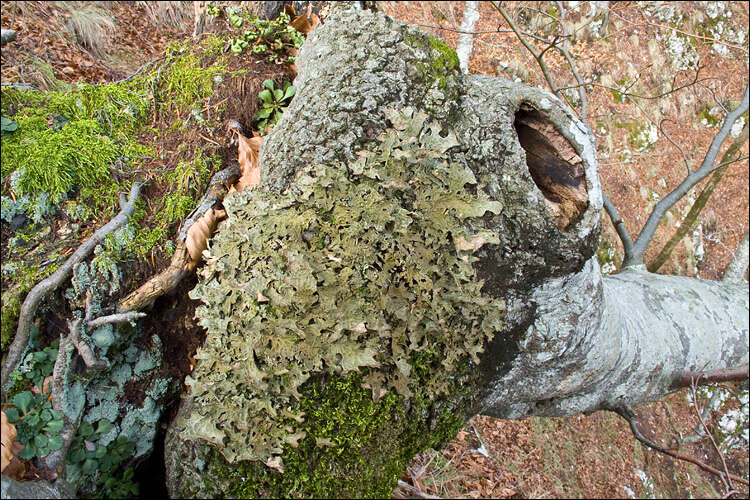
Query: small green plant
x=102, y=465
x=271, y=38
x=8, y=126
x=38, y=424
x=275, y=102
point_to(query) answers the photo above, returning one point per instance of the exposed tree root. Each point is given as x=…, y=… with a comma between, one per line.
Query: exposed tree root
x=190, y=243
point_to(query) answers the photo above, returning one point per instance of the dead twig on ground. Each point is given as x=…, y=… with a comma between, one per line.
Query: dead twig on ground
x=51, y=283
x=182, y=263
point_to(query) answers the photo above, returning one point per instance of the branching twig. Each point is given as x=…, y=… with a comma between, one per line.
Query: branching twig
x=695, y=81
x=635, y=258
x=627, y=413
x=51, y=283
x=682, y=151
x=533, y=52
x=622, y=231
x=727, y=480
x=571, y=63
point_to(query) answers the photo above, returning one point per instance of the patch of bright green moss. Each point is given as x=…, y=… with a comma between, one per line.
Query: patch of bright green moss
x=353, y=448
x=442, y=63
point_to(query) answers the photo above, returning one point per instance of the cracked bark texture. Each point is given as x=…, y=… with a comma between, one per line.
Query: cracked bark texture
x=575, y=341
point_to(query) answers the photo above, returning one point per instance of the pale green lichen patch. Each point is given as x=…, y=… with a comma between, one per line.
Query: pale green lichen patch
x=365, y=268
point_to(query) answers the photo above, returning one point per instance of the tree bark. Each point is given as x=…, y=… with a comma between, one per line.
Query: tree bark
x=573, y=340
x=598, y=342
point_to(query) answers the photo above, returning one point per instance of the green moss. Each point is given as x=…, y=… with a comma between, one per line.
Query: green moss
x=353, y=448
x=441, y=64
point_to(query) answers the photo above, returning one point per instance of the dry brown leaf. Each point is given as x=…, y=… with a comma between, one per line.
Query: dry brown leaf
x=197, y=236
x=473, y=245
x=275, y=463
x=6, y=441
x=301, y=24
x=248, y=149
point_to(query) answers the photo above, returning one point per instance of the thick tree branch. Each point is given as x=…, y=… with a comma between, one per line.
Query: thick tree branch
x=51, y=283
x=635, y=257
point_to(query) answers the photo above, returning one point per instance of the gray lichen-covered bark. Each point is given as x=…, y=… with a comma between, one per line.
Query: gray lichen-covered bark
x=573, y=341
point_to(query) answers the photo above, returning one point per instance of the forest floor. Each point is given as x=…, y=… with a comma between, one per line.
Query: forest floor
x=581, y=456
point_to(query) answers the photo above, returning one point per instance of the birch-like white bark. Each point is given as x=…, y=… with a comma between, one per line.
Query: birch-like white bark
x=466, y=39
x=597, y=342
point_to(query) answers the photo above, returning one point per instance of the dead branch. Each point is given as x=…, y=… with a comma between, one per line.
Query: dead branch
x=115, y=318
x=727, y=480
x=627, y=413
x=685, y=379
x=182, y=263
x=51, y=283
x=413, y=490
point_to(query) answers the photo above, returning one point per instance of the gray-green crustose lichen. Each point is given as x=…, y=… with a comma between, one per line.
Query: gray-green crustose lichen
x=357, y=268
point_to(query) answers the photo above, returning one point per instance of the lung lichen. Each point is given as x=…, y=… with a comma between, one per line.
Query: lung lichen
x=362, y=268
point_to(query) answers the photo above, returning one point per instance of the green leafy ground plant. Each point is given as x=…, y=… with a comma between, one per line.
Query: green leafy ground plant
x=274, y=102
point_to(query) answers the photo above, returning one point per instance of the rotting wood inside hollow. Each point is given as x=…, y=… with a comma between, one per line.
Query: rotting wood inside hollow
x=554, y=165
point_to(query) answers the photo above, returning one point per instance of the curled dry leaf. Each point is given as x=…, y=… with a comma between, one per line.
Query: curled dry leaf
x=6, y=441
x=197, y=236
x=473, y=245
x=248, y=158
x=275, y=463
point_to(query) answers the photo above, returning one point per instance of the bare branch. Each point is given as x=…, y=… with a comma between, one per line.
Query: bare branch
x=727, y=480
x=533, y=52
x=571, y=63
x=707, y=166
x=179, y=267
x=685, y=379
x=51, y=283
x=115, y=318
x=622, y=231
x=627, y=413
x=682, y=151
x=639, y=96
